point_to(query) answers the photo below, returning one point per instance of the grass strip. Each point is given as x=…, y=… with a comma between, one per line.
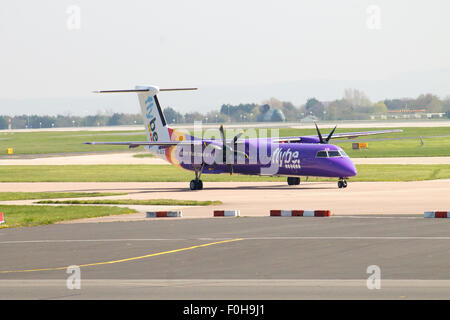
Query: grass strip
x=27, y=216
x=167, y=202
x=169, y=173
x=144, y=155
x=6, y=196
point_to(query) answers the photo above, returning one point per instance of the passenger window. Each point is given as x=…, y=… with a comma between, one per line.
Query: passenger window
x=321, y=154
x=334, y=154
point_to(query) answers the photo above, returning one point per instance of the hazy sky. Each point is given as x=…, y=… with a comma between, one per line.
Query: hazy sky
x=47, y=52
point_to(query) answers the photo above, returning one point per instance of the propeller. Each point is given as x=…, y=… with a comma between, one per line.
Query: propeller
x=226, y=148
x=327, y=139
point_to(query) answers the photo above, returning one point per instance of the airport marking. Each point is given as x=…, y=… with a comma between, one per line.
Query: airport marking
x=216, y=242
x=220, y=240
x=126, y=259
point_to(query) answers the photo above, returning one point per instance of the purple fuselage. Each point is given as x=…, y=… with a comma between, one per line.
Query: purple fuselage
x=267, y=158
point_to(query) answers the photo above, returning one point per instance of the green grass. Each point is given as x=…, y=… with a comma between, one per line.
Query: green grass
x=27, y=216
x=433, y=147
x=65, y=141
x=68, y=141
x=144, y=155
x=6, y=196
x=391, y=172
x=169, y=173
x=167, y=202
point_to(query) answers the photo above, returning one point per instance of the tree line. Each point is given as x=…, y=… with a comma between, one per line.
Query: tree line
x=354, y=105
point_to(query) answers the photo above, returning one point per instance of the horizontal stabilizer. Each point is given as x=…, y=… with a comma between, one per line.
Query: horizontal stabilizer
x=142, y=90
x=150, y=143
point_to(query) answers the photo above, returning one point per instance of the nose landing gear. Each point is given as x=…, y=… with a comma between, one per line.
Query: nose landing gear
x=342, y=183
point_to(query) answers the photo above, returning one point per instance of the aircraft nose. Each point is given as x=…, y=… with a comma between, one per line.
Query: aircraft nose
x=342, y=167
x=350, y=169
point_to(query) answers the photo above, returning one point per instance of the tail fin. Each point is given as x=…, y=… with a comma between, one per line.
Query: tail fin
x=154, y=120
x=155, y=123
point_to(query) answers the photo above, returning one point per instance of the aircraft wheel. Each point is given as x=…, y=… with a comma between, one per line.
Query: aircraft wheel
x=344, y=184
x=340, y=184
x=196, y=185
x=293, y=181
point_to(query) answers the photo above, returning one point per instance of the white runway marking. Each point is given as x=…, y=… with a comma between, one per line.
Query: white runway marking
x=221, y=239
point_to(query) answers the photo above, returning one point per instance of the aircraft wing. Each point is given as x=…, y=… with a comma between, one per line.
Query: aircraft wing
x=349, y=135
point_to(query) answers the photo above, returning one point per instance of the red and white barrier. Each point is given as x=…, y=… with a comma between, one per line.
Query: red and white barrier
x=227, y=213
x=163, y=214
x=300, y=213
x=436, y=214
x=2, y=218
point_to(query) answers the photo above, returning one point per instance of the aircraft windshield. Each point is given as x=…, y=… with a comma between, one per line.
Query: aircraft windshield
x=331, y=154
x=343, y=153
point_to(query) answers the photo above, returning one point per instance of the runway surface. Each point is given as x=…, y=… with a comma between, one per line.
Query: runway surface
x=230, y=258
x=251, y=257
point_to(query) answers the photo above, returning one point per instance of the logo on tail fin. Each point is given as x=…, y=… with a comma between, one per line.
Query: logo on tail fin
x=149, y=104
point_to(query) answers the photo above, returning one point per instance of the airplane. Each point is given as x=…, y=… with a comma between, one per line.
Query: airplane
x=292, y=157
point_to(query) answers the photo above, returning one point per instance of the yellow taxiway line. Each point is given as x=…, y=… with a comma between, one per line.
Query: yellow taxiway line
x=128, y=259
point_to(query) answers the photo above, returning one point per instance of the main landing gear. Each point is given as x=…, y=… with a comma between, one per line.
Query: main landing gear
x=342, y=183
x=293, y=181
x=197, y=184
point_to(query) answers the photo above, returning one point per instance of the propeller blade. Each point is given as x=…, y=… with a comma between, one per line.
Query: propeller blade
x=318, y=133
x=331, y=133
x=232, y=150
x=222, y=134
x=237, y=137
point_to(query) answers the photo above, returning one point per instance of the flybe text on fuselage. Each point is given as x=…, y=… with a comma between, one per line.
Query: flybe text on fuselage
x=286, y=158
x=149, y=106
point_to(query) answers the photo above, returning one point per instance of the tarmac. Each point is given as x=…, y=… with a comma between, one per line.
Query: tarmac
x=254, y=256
x=286, y=258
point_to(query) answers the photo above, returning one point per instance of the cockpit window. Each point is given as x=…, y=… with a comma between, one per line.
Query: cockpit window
x=334, y=154
x=331, y=154
x=343, y=153
x=321, y=154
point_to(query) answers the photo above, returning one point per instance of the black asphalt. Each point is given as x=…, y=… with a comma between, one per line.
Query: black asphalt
x=404, y=247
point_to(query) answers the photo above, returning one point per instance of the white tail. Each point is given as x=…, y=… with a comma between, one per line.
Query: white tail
x=154, y=120
x=155, y=123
